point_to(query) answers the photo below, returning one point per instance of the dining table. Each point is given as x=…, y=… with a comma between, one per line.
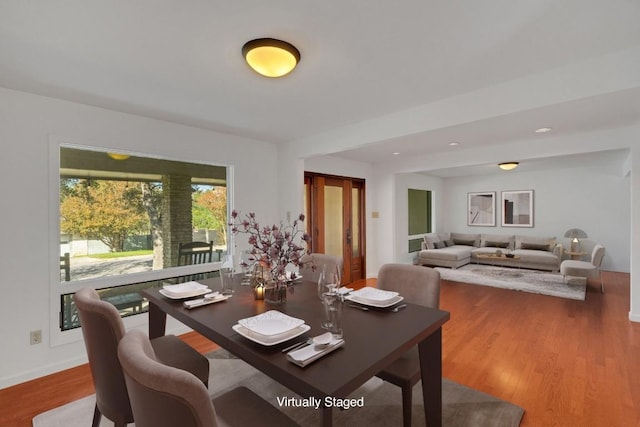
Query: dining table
x=373, y=338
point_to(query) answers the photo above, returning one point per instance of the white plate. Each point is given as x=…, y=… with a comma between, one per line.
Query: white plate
x=184, y=290
x=272, y=322
x=355, y=299
x=374, y=295
x=195, y=293
x=272, y=340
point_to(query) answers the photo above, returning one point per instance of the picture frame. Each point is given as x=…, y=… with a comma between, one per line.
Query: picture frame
x=517, y=208
x=481, y=209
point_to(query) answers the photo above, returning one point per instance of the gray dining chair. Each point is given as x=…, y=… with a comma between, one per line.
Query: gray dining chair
x=314, y=263
x=418, y=285
x=102, y=328
x=164, y=396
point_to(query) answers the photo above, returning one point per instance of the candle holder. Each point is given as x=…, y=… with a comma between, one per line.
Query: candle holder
x=258, y=291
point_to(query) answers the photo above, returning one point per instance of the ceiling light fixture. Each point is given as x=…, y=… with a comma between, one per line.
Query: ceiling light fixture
x=118, y=156
x=395, y=153
x=271, y=57
x=507, y=166
x=543, y=130
x=453, y=144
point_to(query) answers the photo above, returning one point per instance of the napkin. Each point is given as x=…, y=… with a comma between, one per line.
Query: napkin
x=344, y=291
x=208, y=299
x=310, y=353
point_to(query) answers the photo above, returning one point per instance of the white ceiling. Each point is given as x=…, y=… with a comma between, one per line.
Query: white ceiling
x=362, y=63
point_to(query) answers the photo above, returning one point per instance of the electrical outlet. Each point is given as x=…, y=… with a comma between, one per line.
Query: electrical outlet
x=35, y=337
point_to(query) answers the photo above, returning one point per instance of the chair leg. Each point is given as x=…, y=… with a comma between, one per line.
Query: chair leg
x=407, y=394
x=601, y=283
x=96, y=417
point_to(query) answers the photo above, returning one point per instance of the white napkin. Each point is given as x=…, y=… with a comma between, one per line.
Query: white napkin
x=310, y=353
x=208, y=299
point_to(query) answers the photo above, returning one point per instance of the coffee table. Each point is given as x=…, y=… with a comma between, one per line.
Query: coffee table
x=496, y=257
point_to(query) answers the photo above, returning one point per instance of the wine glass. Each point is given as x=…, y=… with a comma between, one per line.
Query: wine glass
x=244, y=264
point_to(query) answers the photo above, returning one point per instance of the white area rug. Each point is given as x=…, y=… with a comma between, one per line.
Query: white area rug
x=462, y=406
x=537, y=282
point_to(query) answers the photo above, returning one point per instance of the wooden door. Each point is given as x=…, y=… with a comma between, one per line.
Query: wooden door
x=335, y=211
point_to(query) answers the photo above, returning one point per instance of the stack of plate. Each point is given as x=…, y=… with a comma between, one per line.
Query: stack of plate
x=374, y=297
x=271, y=327
x=184, y=290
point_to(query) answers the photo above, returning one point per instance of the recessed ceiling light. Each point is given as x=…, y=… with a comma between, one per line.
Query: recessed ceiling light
x=395, y=153
x=543, y=130
x=453, y=144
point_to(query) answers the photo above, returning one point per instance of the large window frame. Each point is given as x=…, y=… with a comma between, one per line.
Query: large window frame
x=57, y=288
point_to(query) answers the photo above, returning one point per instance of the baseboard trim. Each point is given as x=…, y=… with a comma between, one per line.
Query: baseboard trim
x=634, y=317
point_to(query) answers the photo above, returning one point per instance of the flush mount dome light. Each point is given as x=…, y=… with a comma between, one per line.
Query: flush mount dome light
x=507, y=166
x=118, y=156
x=271, y=57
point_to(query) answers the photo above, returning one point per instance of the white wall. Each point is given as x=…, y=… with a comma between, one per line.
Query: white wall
x=594, y=200
x=567, y=198
x=403, y=182
x=28, y=125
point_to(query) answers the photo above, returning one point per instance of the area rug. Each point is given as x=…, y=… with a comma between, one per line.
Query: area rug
x=538, y=282
x=462, y=406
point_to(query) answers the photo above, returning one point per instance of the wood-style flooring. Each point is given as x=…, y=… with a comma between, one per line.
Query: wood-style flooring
x=567, y=363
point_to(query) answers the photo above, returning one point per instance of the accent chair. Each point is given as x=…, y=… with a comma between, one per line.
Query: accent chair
x=586, y=269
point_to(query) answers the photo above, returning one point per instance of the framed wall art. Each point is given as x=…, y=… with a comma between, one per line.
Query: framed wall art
x=517, y=208
x=481, y=209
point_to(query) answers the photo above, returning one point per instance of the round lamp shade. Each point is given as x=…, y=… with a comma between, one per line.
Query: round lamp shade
x=271, y=57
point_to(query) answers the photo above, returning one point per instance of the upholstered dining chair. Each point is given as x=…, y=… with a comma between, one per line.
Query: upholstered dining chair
x=586, y=269
x=314, y=263
x=418, y=285
x=102, y=328
x=164, y=396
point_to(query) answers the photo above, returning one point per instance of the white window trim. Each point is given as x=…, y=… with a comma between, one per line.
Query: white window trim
x=59, y=337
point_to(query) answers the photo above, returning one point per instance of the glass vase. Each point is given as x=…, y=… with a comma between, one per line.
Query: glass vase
x=275, y=292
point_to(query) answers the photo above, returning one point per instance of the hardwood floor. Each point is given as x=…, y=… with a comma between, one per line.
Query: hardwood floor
x=567, y=363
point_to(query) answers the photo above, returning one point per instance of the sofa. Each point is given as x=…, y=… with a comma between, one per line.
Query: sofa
x=457, y=249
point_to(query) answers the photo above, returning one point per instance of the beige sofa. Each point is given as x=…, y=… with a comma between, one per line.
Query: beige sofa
x=457, y=249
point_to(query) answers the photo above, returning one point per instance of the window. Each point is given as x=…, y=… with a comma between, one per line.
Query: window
x=419, y=217
x=125, y=222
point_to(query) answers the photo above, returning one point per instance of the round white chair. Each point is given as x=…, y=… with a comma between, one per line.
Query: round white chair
x=584, y=268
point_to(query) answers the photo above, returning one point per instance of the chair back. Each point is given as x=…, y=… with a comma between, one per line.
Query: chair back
x=195, y=253
x=417, y=284
x=103, y=329
x=597, y=255
x=162, y=396
x=315, y=262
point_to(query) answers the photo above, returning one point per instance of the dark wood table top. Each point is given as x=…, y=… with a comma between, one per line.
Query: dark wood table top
x=373, y=338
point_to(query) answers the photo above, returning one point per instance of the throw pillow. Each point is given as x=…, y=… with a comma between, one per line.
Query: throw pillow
x=535, y=246
x=497, y=244
x=464, y=242
x=449, y=242
x=438, y=245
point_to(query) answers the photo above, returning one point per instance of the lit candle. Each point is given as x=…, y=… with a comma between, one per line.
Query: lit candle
x=259, y=292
